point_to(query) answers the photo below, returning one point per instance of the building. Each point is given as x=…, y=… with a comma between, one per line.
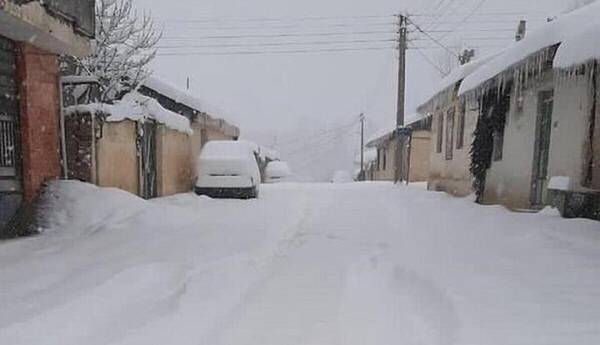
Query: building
x=156, y=140
x=383, y=168
x=538, y=124
x=32, y=35
x=453, y=122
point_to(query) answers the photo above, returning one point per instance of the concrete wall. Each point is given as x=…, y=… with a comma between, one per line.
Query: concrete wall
x=37, y=74
x=420, y=156
x=508, y=181
x=452, y=176
x=32, y=23
x=196, y=142
x=116, y=156
x=569, y=142
x=387, y=174
x=173, y=156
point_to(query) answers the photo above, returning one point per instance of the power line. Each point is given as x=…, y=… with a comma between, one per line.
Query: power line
x=276, y=52
x=467, y=17
x=287, y=26
x=428, y=60
x=273, y=19
x=436, y=41
x=275, y=44
x=279, y=35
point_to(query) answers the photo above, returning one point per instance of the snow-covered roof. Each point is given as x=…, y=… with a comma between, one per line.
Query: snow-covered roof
x=580, y=48
x=181, y=96
x=387, y=132
x=458, y=74
x=575, y=30
x=136, y=107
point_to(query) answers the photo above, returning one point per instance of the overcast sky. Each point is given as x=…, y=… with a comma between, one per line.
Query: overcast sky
x=304, y=104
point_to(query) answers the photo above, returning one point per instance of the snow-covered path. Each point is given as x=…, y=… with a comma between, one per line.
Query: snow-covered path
x=306, y=264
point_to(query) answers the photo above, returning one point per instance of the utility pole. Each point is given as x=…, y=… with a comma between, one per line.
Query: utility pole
x=362, y=176
x=187, y=84
x=402, y=32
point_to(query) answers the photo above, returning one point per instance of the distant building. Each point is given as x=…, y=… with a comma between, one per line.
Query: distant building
x=383, y=168
x=32, y=35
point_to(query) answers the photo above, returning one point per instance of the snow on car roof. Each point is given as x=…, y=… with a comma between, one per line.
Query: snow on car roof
x=226, y=149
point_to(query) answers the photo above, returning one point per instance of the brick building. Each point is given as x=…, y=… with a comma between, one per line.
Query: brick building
x=32, y=36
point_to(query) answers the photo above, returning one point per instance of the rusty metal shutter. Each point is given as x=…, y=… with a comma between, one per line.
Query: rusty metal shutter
x=10, y=180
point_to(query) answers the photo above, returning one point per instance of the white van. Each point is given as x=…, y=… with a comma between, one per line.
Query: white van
x=228, y=169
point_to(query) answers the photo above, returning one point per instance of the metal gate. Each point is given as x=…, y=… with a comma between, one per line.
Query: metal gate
x=147, y=159
x=10, y=174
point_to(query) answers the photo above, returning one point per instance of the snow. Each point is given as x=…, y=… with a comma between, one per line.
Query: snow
x=388, y=131
x=342, y=176
x=560, y=183
x=459, y=73
x=78, y=79
x=181, y=96
x=370, y=155
x=135, y=107
x=227, y=164
x=336, y=264
x=278, y=169
x=571, y=28
x=579, y=48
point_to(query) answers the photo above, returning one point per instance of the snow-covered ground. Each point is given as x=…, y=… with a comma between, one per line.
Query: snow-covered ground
x=305, y=264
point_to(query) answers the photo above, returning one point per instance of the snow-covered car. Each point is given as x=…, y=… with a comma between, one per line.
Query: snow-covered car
x=342, y=176
x=277, y=171
x=228, y=169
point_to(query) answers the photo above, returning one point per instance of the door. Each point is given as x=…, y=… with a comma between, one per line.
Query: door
x=10, y=174
x=147, y=161
x=542, y=147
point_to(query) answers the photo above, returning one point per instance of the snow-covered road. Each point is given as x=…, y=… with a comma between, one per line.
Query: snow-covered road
x=309, y=264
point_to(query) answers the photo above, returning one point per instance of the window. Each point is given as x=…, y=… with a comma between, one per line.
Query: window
x=378, y=159
x=440, y=133
x=384, y=159
x=450, y=133
x=460, y=130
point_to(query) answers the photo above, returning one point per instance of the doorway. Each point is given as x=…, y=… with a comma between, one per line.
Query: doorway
x=541, y=156
x=147, y=159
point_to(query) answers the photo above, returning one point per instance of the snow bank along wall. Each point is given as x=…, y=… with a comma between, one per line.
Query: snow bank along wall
x=32, y=35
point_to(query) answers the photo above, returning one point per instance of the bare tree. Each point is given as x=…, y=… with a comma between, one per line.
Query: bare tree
x=125, y=44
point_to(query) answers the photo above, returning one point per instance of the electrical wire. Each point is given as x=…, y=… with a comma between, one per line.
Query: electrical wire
x=429, y=60
x=276, y=52
x=436, y=41
x=275, y=44
x=319, y=34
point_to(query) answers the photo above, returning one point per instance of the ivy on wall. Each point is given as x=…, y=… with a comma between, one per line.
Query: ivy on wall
x=495, y=104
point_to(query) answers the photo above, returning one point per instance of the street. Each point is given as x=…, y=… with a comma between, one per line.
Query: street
x=305, y=264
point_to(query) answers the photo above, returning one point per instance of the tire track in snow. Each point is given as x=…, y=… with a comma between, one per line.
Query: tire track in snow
x=384, y=302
